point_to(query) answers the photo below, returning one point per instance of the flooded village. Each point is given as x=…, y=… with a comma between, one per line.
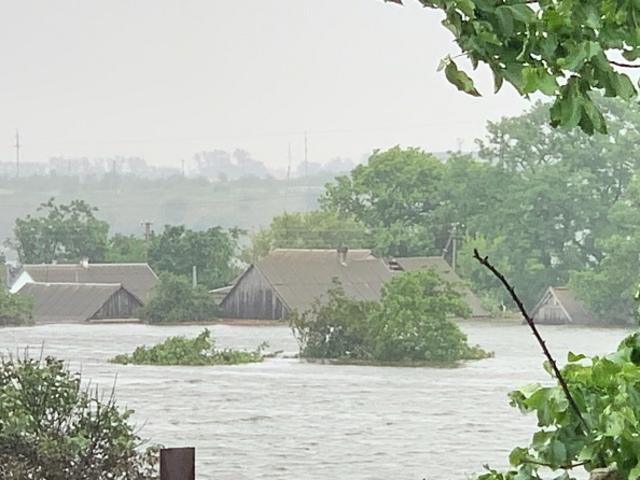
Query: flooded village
x=302, y=240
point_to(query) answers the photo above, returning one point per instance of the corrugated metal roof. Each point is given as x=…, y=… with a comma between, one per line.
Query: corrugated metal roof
x=137, y=278
x=442, y=267
x=301, y=276
x=67, y=302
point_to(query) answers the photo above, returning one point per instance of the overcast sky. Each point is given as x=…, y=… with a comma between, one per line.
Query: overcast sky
x=163, y=79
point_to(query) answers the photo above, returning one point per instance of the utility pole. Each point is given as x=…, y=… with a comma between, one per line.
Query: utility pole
x=454, y=246
x=17, y=147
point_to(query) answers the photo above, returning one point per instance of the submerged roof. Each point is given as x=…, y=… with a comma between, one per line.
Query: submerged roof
x=137, y=278
x=67, y=302
x=575, y=311
x=301, y=276
x=442, y=267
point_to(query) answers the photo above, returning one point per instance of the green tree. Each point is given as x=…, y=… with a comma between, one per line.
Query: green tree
x=566, y=49
x=15, y=309
x=51, y=427
x=174, y=300
x=61, y=233
x=395, y=195
x=316, y=229
x=413, y=322
x=126, y=249
x=177, y=249
x=334, y=327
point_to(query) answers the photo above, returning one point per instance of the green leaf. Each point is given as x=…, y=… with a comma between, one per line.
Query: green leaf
x=517, y=455
x=460, y=79
x=572, y=357
x=557, y=452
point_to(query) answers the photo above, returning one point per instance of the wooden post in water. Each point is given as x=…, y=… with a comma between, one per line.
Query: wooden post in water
x=178, y=464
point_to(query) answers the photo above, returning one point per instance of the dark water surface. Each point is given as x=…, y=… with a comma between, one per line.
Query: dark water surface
x=286, y=419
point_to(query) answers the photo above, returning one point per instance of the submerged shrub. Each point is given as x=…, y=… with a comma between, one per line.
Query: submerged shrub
x=15, y=309
x=51, y=428
x=174, y=300
x=411, y=323
x=196, y=351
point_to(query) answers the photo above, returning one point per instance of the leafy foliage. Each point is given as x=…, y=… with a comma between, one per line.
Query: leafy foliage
x=174, y=300
x=61, y=233
x=51, y=428
x=177, y=249
x=564, y=49
x=126, y=249
x=316, y=229
x=188, y=351
x=15, y=309
x=409, y=325
x=607, y=391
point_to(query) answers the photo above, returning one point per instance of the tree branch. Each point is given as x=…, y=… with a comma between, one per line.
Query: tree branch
x=624, y=65
x=484, y=261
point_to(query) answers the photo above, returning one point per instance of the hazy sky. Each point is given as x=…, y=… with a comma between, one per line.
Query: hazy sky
x=164, y=79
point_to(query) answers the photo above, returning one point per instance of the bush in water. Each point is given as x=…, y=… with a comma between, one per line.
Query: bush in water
x=188, y=351
x=51, y=428
x=174, y=300
x=410, y=324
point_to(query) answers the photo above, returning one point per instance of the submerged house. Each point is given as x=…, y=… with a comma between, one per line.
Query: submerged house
x=559, y=306
x=79, y=302
x=289, y=279
x=137, y=278
x=442, y=267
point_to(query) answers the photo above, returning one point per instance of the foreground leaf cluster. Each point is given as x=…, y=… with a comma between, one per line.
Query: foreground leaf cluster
x=51, y=428
x=607, y=392
x=196, y=351
x=410, y=324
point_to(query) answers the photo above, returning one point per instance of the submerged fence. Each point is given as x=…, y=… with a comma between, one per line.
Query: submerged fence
x=178, y=464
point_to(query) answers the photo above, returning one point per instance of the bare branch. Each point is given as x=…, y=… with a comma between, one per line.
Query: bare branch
x=484, y=261
x=620, y=64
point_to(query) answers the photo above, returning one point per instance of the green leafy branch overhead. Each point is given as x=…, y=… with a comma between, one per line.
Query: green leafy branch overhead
x=561, y=48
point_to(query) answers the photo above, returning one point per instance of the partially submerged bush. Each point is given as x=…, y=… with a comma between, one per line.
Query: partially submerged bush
x=53, y=429
x=607, y=393
x=410, y=324
x=15, y=309
x=174, y=300
x=196, y=351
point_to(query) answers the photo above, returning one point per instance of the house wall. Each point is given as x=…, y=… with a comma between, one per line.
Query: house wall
x=121, y=305
x=254, y=298
x=550, y=313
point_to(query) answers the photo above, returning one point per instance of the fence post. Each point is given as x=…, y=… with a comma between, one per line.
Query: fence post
x=178, y=464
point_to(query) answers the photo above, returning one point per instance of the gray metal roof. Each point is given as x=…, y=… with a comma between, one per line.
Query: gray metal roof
x=67, y=302
x=137, y=278
x=301, y=276
x=442, y=267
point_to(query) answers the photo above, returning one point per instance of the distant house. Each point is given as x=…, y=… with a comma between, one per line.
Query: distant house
x=289, y=279
x=79, y=302
x=559, y=306
x=442, y=267
x=137, y=278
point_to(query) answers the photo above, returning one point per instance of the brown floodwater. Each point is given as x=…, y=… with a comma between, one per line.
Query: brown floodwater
x=287, y=419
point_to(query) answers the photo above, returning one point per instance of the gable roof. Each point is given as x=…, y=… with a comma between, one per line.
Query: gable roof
x=138, y=278
x=67, y=302
x=575, y=311
x=442, y=267
x=301, y=276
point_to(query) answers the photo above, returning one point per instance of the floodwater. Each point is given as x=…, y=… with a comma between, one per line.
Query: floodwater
x=287, y=419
